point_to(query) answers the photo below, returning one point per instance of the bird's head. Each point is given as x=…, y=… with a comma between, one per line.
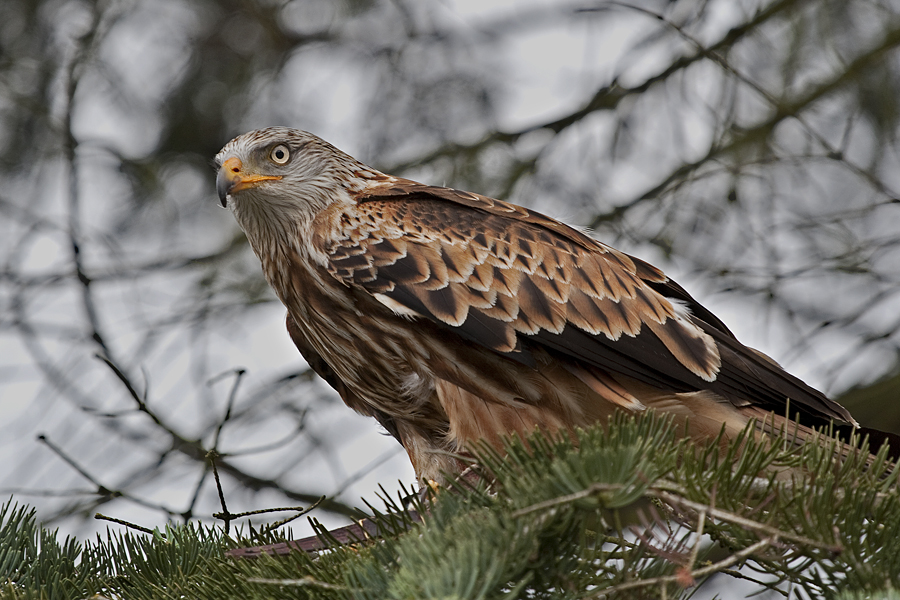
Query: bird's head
x=280, y=174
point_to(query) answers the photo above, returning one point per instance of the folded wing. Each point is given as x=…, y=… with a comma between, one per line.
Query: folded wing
x=513, y=280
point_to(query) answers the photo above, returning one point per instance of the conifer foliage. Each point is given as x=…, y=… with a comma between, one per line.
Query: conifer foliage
x=630, y=510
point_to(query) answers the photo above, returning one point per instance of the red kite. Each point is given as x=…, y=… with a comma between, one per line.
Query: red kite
x=451, y=317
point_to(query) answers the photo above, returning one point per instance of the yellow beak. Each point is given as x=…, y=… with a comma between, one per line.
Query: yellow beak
x=232, y=179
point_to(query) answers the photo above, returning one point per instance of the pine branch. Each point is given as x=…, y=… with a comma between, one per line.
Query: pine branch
x=627, y=509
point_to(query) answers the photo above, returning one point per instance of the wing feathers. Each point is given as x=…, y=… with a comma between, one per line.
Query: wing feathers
x=511, y=271
x=588, y=278
x=460, y=263
x=439, y=276
x=655, y=306
x=693, y=348
x=413, y=268
x=482, y=277
x=554, y=289
x=506, y=281
x=553, y=267
x=444, y=304
x=488, y=331
x=389, y=251
x=506, y=278
x=537, y=311
x=601, y=317
x=505, y=308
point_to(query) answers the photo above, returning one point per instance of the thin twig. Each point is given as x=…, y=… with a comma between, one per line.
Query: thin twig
x=306, y=581
x=678, y=500
x=720, y=60
x=101, y=489
x=702, y=572
x=127, y=524
x=607, y=97
x=722, y=515
x=132, y=390
x=73, y=73
x=224, y=515
x=749, y=135
x=262, y=511
x=189, y=512
x=238, y=377
x=105, y=492
x=196, y=451
x=591, y=490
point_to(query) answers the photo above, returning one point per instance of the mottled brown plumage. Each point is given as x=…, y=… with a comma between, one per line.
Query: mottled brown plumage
x=451, y=317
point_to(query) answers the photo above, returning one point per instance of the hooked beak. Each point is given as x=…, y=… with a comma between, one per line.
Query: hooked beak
x=232, y=179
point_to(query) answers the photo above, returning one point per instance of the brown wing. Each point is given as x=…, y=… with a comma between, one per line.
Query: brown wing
x=508, y=279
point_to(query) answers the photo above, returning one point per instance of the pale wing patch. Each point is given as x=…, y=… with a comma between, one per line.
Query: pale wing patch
x=398, y=308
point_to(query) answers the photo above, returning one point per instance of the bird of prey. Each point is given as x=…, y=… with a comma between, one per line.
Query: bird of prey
x=451, y=317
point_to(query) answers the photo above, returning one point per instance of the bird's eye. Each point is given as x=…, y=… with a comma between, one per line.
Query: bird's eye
x=280, y=154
